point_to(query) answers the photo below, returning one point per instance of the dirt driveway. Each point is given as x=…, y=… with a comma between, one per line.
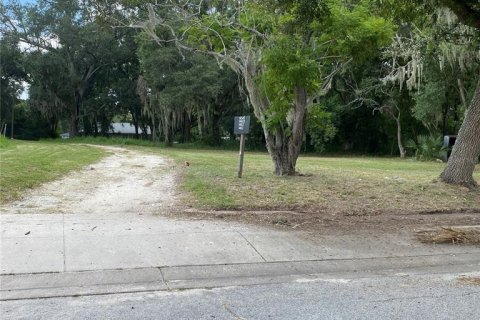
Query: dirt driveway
x=126, y=182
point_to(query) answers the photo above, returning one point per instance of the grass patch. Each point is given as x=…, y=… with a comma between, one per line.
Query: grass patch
x=26, y=165
x=352, y=186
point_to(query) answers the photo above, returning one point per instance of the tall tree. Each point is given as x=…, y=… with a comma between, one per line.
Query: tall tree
x=286, y=53
x=181, y=90
x=453, y=40
x=68, y=33
x=466, y=151
x=12, y=72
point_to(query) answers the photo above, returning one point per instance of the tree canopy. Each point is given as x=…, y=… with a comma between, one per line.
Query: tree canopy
x=357, y=76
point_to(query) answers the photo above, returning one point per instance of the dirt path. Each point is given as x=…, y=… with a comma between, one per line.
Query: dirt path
x=126, y=182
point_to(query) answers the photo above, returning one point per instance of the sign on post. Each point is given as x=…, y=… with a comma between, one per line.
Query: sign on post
x=241, y=127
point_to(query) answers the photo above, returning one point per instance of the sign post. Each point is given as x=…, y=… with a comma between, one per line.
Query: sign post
x=242, y=153
x=241, y=127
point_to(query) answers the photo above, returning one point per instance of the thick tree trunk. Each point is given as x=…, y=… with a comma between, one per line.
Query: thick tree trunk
x=280, y=163
x=283, y=147
x=465, y=153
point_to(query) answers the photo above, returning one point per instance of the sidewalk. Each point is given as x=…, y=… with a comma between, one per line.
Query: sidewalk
x=46, y=255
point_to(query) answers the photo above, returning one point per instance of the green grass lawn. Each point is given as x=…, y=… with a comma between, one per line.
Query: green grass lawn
x=25, y=164
x=345, y=185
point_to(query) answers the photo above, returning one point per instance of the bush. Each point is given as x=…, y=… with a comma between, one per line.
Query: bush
x=427, y=148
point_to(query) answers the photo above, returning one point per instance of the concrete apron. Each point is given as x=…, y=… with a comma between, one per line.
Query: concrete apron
x=66, y=255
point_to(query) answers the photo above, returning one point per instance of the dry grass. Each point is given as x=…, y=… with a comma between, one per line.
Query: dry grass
x=350, y=186
x=454, y=235
x=470, y=280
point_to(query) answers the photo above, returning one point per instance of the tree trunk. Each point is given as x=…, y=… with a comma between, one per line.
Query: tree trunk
x=280, y=162
x=298, y=127
x=399, y=138
x=74, y=122
x=284, y=150
x=95, y=127
x=187, y=125
x=465, y=153
x=153, y=129
x=199, y=123
x=52, y=126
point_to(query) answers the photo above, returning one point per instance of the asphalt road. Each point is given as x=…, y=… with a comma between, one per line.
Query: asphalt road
x=403, y=296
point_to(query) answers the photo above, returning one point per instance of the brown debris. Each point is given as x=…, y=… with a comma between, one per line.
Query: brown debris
x=470, y=280
x=453, y=235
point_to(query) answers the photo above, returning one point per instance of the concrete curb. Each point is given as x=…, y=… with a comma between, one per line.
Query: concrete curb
x=47, y=285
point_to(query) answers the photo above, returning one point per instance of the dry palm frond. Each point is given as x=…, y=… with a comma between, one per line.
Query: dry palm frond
x=470, y=280
x=450, y=235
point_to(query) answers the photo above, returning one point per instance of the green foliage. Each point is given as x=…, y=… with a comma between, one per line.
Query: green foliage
x=353, y=31
x=328, y=49
x=30, y=124
x=429, y=102
x=12, y=71
x=300, y=57
x=256, y=17
x=289, y=63
x=75, y=46
x=427, y=148
x=320, y=126
x=189, y=95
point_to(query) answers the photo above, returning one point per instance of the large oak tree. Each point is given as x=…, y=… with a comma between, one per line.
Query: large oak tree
x=466, y=150
x=286, y=53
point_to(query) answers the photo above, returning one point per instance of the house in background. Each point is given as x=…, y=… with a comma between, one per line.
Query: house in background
x=126, y=130
x=118, y=129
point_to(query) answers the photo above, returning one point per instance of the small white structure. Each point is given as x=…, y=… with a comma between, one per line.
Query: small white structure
x=125, y=128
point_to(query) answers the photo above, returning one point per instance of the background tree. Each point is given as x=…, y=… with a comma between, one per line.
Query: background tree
x=466, y=151
x=68, y=33
x=12, y=73
x=450, y=44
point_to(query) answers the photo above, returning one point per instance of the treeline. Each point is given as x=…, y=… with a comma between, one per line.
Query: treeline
x=370, y=77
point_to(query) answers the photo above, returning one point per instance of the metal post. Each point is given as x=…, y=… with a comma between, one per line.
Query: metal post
x=242, y=152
